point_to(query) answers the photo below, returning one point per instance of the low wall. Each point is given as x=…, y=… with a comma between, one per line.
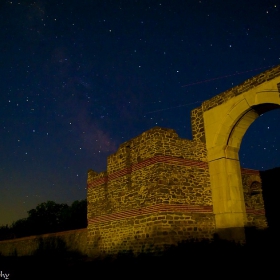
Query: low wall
x=70, y=241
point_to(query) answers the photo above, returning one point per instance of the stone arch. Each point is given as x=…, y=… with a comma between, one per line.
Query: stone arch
x=226, y=119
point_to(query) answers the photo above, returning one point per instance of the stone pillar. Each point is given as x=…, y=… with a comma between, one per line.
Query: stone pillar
x=225, y=124
x=223, y=139
x=228, y=198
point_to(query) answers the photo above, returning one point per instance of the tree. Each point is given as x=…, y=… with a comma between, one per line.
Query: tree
x=48, y=217
x=5, y=232
x=21, y=228
x=78, y=214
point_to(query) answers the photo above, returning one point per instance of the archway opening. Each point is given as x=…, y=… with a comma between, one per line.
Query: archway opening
x=260, y=150
x=242, y=125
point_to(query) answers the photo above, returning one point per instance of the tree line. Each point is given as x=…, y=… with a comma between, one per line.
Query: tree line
x=48, y=217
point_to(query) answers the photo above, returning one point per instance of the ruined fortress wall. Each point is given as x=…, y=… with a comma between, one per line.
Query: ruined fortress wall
x=156, y=191
x=72, y=241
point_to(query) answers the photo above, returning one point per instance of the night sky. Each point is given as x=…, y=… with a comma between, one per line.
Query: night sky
x=78, y=78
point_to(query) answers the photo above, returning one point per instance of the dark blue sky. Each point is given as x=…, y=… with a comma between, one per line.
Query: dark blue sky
x=78, y=78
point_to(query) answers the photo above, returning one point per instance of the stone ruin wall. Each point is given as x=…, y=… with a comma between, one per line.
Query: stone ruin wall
x=156, y=189
x=73, y=241
x=155, y=192
x=197, y=114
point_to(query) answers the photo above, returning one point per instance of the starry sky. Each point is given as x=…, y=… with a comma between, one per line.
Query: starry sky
x=78, y=78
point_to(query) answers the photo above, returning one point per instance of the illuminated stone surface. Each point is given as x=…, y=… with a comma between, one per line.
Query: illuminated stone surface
x=160, y=189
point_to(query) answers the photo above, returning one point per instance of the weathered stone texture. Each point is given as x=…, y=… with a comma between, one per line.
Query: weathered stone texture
x=149, y=174
x=197, y=121
x=156, y=192
x=144, y=233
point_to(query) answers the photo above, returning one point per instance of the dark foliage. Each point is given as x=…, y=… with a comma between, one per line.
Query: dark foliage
x=48, y=217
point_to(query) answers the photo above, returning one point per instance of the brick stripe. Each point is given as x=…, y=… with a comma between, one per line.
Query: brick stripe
x=157, y=159
x=250, y=171
x=119, y=173
x=169, y=160
x=163, y=208
x=255, y=211
x=97, y=182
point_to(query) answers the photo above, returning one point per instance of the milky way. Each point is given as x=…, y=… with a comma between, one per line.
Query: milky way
x=78, y=78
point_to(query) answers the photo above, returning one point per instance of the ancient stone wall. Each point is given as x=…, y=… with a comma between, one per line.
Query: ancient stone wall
x=156, y=192
x=197, y=122
x=147, y=201
x=70, y=241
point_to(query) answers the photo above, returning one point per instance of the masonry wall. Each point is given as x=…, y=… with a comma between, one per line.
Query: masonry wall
x=155, y=192
x=70, y=241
